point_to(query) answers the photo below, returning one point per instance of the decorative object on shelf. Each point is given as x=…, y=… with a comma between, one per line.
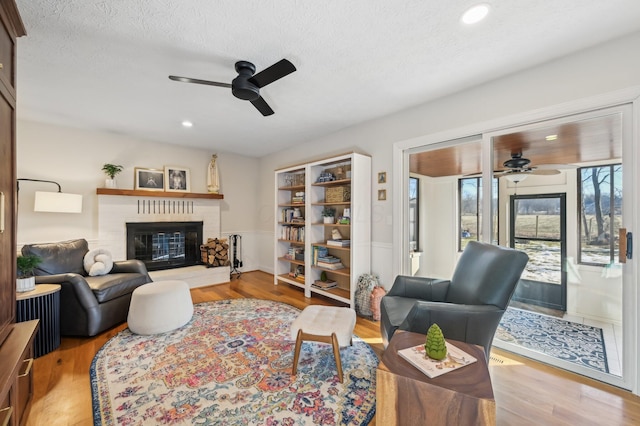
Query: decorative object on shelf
x=328, y=213
x=435, y=347
x=340, y=172
x=325, y=177
x=324, y=282
x=177, y=179
x=25, y=265
x=338, y=194
x=298, y=198
x=53, y=202
x=335, y=234
x=213, y=177
x=149, y=179
x=111, y=170
x=382, y=194
x=382, y=177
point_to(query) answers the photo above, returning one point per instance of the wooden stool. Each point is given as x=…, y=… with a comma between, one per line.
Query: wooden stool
x=325, y=324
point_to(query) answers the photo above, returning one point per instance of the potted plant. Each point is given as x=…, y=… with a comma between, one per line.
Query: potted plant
x=25, y=280
x=111, y=170
x=328, y=213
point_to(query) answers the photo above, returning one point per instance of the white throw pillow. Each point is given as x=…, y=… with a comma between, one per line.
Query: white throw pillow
x=98, y=262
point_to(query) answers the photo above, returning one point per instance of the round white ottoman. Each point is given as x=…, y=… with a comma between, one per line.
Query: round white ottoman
x=159, y=307
x=326, y=324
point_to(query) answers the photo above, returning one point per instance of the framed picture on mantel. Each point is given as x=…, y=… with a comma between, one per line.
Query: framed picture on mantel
x=177, y=179
x=149, y=179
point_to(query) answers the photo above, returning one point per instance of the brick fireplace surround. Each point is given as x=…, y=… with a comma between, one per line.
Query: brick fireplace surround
x=116, y=210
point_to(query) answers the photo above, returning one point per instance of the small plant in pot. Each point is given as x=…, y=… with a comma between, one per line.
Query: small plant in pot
x=111, y=170
x=328, y=213
x=25, y=280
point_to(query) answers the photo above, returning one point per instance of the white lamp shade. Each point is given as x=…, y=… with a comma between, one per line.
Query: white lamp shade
x=516, y=177
x=57, y=202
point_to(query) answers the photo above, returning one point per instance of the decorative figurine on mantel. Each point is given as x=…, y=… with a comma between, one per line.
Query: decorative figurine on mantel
x=213, y=178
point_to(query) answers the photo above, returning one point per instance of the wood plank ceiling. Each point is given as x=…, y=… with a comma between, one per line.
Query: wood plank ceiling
x=577, y=142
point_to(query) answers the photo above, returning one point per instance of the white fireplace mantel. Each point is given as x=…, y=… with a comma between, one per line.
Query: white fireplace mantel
x=115, y=211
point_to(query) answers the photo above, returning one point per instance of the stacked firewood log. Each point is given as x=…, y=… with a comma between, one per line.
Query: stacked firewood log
x=215, y=252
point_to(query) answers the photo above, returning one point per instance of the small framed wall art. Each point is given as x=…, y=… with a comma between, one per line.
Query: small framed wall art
x=149, y=179
x=177, y=179
x=382, y=177
x=382, y=194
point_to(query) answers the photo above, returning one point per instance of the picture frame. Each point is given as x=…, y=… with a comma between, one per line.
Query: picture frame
x=382, y=194
x=149, y=179
x=382, y=177
x=177, y=179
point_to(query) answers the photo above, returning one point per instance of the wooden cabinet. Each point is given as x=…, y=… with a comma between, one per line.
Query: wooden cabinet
x=16, y=376
x=11, y=28
x=16, y=340
x=309, y=247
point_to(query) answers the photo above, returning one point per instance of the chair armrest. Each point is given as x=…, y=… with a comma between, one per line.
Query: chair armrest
x=431, y=289
x=467, y=323
x=71, y=283
x=129, y=266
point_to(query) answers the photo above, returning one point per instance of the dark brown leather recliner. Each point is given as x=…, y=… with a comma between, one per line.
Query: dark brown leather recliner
x=467, y=308
x=88, y=305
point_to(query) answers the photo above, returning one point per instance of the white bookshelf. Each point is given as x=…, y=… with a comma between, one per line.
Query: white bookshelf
x=352, y=174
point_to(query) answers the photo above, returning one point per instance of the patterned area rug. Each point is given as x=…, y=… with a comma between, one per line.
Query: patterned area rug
x=569, y=341
x=231, y=365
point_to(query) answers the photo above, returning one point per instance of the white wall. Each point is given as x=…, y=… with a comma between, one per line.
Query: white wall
x=605, y=68
x=74, y=158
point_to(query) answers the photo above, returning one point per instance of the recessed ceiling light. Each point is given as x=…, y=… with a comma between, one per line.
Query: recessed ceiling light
x=475, y=14
x=187, y=124
x=551, y=137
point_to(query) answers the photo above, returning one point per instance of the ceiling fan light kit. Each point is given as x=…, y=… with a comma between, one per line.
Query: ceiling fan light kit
x=246, y=85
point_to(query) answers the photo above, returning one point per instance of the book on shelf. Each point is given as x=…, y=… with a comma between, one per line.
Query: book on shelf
x=332, y=266
x=456, y=358
x=324, y=284
x=328, y=259
x=339, y=243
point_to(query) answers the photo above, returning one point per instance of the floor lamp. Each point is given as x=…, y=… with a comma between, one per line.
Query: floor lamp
x=54, y=202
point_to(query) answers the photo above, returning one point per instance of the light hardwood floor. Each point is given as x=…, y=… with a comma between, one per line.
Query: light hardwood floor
x=526, y=392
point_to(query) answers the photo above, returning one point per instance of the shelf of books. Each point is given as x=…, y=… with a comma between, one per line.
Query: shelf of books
x=328, y=243
x=290, y=226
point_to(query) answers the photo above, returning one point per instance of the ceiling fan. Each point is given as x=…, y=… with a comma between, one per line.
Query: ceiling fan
x=518, y=164
x=246, y=85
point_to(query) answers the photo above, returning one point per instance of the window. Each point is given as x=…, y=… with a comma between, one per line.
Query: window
x=414, y=218
x=600, y=204
x=470, y=212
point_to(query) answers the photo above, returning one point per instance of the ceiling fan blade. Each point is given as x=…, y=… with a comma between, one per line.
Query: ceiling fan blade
x=195, y=80
x=262, y=106
x=545, y=172
x=273, y=73
x=557, y=166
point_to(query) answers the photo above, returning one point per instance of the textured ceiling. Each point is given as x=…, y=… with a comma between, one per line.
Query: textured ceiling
x=104, y=64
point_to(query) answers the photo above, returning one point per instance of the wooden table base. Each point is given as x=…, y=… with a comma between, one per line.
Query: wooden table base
x=405, y=396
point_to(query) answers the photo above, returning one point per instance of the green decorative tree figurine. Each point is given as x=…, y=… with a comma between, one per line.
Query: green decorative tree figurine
x=435, y=345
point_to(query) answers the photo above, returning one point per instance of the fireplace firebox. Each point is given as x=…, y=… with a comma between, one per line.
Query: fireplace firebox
x=164, y=245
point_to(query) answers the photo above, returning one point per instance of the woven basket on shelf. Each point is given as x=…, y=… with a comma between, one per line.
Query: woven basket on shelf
x=338, y=194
